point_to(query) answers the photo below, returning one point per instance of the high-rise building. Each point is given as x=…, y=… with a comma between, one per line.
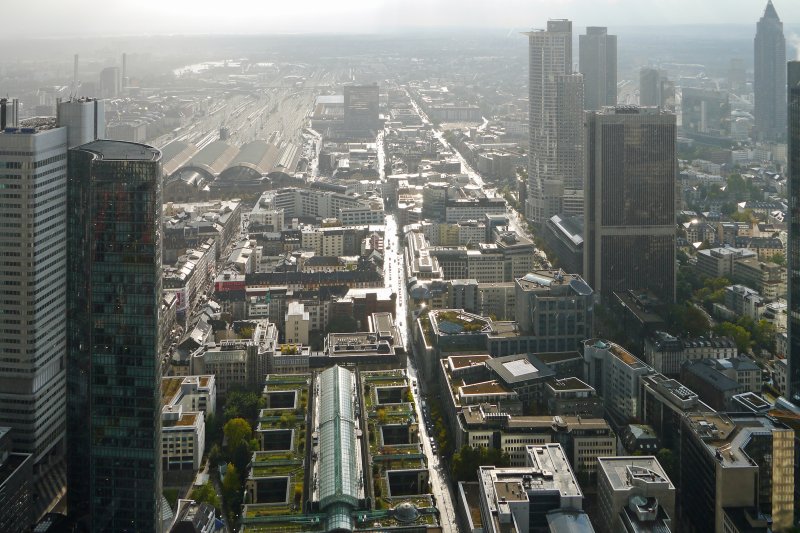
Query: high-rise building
x=655, y=89
x=361, y=110
x=553, y=96
x=33, y=183
x=109, y=82
x=769, y=83
x=598, y=64
x=113, y=363
x=629, y=236
x=793, y=255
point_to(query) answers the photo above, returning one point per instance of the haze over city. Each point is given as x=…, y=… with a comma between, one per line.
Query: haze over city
x=524, y=266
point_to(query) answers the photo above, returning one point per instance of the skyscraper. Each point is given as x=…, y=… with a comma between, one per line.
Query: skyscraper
x=794, y=232
x=361, y=110
x=598, y=64
x=113, y=363
x=770, y=75
x=110, y=82
x=629, y=235
x=549, y=163
x=655, y=89
x=33, y=183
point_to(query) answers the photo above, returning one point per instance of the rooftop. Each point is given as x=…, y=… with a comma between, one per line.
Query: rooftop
x=727, y=436
x=625, y=473
x=121, y=151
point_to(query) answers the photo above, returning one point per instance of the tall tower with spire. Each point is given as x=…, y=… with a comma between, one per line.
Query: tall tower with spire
x=770, y=75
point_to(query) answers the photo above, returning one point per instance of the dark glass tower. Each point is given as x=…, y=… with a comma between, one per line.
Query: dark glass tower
x=113, y=364
x=598, y=64
x=770, y=75
x=629, y=235
x=793, y=380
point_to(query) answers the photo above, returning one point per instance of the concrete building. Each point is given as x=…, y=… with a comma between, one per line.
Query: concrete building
x=361, y=110
x=769, y=83
x=517, y=500
x=598, y=64
x=16, y=487
x=556, y=307
x=717, y=381
x=615, y=373
x=634, y=494
x=666, y=353
x=298, y=324
x=119, y=309
x=629, y=237
x=739, y=472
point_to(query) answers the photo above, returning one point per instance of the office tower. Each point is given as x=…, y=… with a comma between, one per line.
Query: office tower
x=634, y=493
x=769, y=83
x=85, y=119
x=109, y=82
x=629, y=236
x=598, y=64
x=75, y=76
x=113, y=363
x=551, y=97
x=33, y=340
x=705, y=112
x=737, y=473
x=361, y=110
x=793, y=255
x=737, y=75
x=569, y=116
x=124, y=71
x=655, y=89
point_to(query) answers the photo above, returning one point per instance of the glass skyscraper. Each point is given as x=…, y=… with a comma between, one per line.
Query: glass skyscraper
x=113, y=365
x=793, y=262
x=769, y=82
x=629, y=235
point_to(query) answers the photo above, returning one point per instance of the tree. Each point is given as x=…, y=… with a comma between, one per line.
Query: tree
x=466, y=461
x=739, y=335
x=232, y=489
x=206, y=494
x=243, y=404
x=237, y=430
x=779, y=259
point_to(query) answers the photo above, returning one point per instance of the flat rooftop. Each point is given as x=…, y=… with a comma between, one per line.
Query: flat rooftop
x=625, y=472
x=121, y=151
x=725, y=435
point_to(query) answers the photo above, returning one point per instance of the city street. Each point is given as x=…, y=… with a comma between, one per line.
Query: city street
x=439, y=477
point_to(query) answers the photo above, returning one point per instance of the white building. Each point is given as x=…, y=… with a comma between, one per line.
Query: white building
x=298, y=324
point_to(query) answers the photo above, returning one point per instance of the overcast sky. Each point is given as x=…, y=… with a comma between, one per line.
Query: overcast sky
x=105, y=17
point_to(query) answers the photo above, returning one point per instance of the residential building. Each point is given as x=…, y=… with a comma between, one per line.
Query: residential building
x=298, y=324
x=634, y=494
x=629, y=237
x=598, y=64
x=666, y=353
x=733, y=467
x=769, y=81
x=717, y=381
x=114, y=297
x=552, y=96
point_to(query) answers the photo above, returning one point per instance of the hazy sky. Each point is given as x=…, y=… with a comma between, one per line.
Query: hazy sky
x=66, y=17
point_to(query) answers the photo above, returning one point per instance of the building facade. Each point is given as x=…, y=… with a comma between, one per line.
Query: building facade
x=113, y=357
x=793, y=246
x=598, y=64
x=769, y=83
x=629, y=237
